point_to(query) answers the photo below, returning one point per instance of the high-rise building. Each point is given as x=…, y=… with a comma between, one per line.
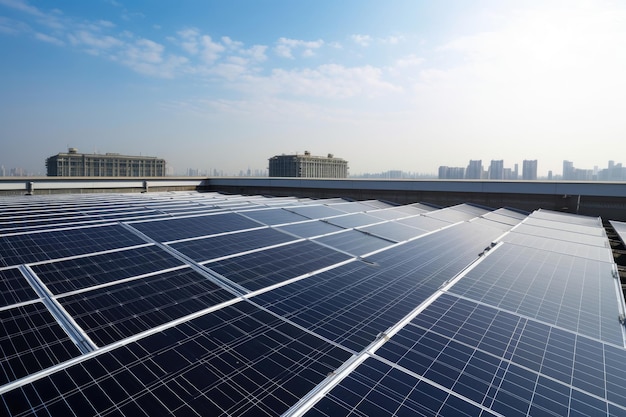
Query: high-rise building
x=308, y=166
x=568, y=170
x=496, y=170
x=451, y=173
x=74, y=164
x=474, y=170
x=529, y=170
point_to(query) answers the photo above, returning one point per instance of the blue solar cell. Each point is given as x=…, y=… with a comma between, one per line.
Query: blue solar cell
x=352, y=304
x=573, y=293
x=354, y=242
x=186, y=227
x=112, y=313
x=261, y=269
x=14, y=288
x=236, y=361
x=310, y=229
x=30, y=341
x=40, y=246
x=218, y=246
x=74, y=274
x=274, y=216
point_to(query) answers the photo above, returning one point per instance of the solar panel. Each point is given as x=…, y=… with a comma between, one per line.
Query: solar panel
x=573, y=293
x=24, y=248
x=219, y=246
x=186, y=227
x=189, y=303
x=14, y=288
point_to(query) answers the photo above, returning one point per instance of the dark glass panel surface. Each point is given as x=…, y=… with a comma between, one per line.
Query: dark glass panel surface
x=186, y=227
x=261, y=269
x=74, y=274
x=31, y=340
x=14, y=288
x=40, y=246
x=111, y=313
x=218, y=246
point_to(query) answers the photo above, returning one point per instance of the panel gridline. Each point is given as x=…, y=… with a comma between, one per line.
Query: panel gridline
x=509, y=364
x=354, y=242
x=218, y=246
x=78, y=273
x=580, y=250
x=310, y=228
x=187, y=227
x=112, y=313
x=235, y=361
x=377, y=389
x=268, y=267
x=14, y=288
x=31, y=340
x=573, y=293
x=41, y=246
x=353, y=303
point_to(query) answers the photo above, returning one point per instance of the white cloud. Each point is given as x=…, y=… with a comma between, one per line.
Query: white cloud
x=12, y=27
x=362, y=40
x=285, y=47
x=189, y=40
x=231, y=43
x=94, y=42
x=329, y=81
x=210, y=50
x=22, y=6
x=49, y=39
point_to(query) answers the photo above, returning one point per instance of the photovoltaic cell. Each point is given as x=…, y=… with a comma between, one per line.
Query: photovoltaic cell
x=571, y=227
x=354, y=242
x=461, y=355
x=315, y=211
x=581, y=250
x=507, y=363
x=424, y=223
x=30, y=341
x=235, y=361
x=78, y=273
x=577, y=294
x=377, y=389
x=14, y=288
x=353, y=303
x=268, y=267
x=562, y=235
x=310, y=229
x=186, y=227
x=274, y=216
x=566, y=217
x=353, y=220
x=218, y=246
x=25, y=248
x=394, y=231
x=112, y=313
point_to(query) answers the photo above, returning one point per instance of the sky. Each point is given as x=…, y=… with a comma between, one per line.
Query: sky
x=387, y=85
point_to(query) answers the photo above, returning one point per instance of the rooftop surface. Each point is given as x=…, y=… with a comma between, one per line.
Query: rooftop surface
x=187, y=303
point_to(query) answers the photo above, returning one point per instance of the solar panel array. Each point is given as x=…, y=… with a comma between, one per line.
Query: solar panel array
x=207, y=304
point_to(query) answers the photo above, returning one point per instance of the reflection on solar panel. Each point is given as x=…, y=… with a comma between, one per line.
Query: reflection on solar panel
x=208, y=304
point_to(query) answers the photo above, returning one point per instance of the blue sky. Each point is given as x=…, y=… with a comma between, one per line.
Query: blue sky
x=396, y=84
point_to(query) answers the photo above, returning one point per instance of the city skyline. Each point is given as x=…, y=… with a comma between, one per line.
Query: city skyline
x=402, y=85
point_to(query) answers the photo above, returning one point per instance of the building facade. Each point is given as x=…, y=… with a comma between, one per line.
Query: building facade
x=74, y=164
x=308, y=166
x=496, y=170
x=474, y=170
x=451, y=173
x=529, y=170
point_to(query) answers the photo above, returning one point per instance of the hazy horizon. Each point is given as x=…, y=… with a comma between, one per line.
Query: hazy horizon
x=398, y=85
